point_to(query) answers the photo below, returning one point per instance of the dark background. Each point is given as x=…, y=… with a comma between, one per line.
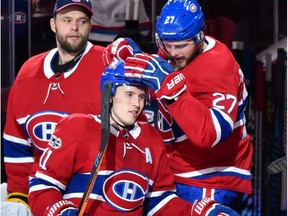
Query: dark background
x=254, y=19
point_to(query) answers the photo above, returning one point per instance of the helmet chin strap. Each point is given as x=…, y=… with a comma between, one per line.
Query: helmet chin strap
x=199, y=49
x=200, y=41
x=125, y=134
x=120, y=125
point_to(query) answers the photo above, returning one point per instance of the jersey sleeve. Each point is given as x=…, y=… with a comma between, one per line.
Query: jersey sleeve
x=55, y=169
x=18, y=152
x=213, y=104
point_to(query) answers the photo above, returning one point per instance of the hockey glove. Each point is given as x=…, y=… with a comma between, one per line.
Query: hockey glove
x=210, y=207
x=151, y=68
x=16, y=204
x=173, y=85
x=119, y=50
x=62, y=208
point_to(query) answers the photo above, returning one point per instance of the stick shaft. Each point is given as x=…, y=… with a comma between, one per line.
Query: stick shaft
x=105, y=132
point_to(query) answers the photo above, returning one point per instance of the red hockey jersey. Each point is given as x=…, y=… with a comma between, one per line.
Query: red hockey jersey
x=208, y=145
x=134, y=177
x=38, y=100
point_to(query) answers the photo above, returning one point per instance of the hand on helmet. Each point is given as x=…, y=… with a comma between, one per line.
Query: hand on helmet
x=119, y=50
x=151, y=68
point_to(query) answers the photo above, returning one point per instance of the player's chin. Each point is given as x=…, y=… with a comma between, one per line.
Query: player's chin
x=77, y=44
x=130, y=121
x=180, y=63
x=180, y=66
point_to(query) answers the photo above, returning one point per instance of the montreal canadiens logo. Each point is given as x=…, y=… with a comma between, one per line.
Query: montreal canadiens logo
x=193, y=7
x=125, y=190
x=40, y=127
x=19, y=17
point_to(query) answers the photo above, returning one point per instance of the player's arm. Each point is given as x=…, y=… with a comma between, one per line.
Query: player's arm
x=18, y=154
x=213, y=121
x=45, y=196
x=54, y=172
x=213, y=115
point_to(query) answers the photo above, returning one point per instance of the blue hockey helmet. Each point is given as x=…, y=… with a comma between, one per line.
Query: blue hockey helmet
x=180, y=20
x=115, y=74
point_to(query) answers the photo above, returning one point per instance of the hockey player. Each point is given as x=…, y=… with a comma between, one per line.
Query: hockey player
x=201, y=114
x=112, y=18
x=48, y=87
x=134, y=177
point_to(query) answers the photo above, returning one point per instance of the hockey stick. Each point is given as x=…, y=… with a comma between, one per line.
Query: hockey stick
x=277, y=165
x=105, y=132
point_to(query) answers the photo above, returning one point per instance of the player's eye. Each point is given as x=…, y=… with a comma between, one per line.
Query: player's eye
x=180, y=46
x=67, y=20
x=82, y=21
x=142, y=97
x=129, y=94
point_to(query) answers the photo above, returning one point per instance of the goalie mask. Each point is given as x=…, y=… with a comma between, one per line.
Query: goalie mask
x=179, y=20
x=115, y=73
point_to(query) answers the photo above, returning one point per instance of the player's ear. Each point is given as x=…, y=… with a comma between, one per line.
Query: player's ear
x=52, y=24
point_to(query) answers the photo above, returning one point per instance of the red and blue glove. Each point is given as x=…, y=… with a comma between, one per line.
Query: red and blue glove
x=157, y=74
x=208, y=207
x=61, y=208
x=151, y=68
x=120, y=50
x=173, y=85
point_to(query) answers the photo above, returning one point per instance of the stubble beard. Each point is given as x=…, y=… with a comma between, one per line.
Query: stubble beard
x=187, y=61
x=69, y=47
x=179, y=67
